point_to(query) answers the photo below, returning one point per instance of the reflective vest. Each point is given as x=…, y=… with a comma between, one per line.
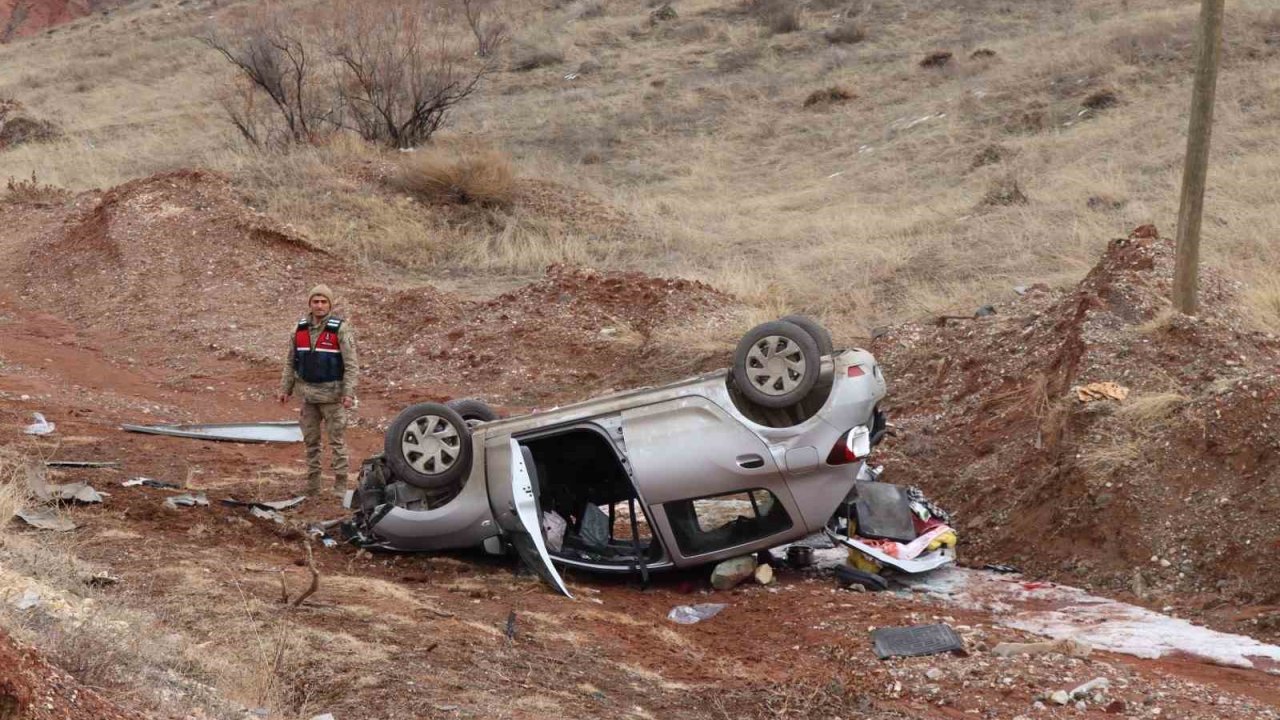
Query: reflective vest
x=322, y=363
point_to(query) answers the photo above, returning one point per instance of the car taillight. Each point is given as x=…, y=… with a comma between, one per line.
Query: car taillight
x=852, y=446
x=856, y=371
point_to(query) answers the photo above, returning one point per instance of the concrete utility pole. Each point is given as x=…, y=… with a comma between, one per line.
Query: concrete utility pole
x=1208, y=54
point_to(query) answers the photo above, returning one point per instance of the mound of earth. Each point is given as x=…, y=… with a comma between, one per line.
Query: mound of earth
x=19, y=18
x=32, y=689
x=178, y=262
x=1172, y=491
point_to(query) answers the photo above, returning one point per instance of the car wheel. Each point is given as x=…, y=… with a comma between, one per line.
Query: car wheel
x=847, y=576
x=473, y=411
x=776, y=364
x=429, y=446
x=819, y=333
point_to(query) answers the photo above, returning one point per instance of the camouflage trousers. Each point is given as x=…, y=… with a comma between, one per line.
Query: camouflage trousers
x=334, y=418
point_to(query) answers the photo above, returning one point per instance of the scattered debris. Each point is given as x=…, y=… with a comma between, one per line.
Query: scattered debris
x=40, y=426
x=148, y=482
x=1100, y=391
x=937, y=59
x=1005, y=569
x=261, y=432
x=1065, y=646
x=81, y=464
x=1085, y=690
x=186, y=500
x=101, y=579
x=272, y=505
x=728, y=574
x=30, y=598
x=46, y=519
x=855, y=579
x=265, y=514
x=71, y=492
x=690, y=614
x=985, y=311
x=915, y=641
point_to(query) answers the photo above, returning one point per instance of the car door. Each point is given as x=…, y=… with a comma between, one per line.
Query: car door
x=525, y=516
x=690, y=448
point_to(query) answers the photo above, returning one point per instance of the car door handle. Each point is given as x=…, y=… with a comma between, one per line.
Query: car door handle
x=750, y=462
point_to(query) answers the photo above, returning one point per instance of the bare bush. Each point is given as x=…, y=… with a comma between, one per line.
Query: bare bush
x=489, y=30
x=829, y=96
x=389, y=70
x=1004, y=191
x=33, y=192
x=777, y=16
x=279, y=61
x=401, y=75
x=482, y=178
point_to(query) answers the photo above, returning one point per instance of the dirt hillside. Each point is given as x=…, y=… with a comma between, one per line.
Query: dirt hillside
x=20, y=18
x=1170, y=492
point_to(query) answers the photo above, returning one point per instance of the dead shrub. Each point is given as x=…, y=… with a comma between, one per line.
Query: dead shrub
x=777, y=16
x=18, y=128
x=533, y=54
x=1155, y=43
x=33, y=192
x=13, y=488
x=483, y=178
x=1103, y=203
x=982, y=54
x=1004, y=192
x=829, y=96
x=739, y=59
x=1101, y=99
x=989, y=155
x=1027, y=121
x=846, y=33
x=936, y=59
x=663, y=14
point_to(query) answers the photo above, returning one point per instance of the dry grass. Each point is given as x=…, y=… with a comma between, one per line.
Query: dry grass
x=1150, y=413
x=484, y=178
x=13, y=487
x=1262, y=301
x=861, y=217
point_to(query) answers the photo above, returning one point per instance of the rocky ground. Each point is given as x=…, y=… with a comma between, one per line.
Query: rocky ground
x=166, y=299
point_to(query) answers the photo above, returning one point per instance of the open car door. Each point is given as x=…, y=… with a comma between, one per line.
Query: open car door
x=528, y=539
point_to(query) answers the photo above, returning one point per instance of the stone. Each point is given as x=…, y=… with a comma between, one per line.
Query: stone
x=1082, y=691
x=728, y=574
x=764, y=574
x=933, y=674
x=1059, y=697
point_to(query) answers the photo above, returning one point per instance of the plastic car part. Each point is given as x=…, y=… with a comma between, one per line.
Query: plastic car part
x=915, y=641
x=428, y=445
x=776, y=364
x=287, y=431
x=815, y=329
x=852, y=576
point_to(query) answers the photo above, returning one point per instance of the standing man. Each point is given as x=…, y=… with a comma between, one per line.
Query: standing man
x=322, y=361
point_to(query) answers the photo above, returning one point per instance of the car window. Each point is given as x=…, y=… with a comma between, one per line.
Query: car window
x=710, y=524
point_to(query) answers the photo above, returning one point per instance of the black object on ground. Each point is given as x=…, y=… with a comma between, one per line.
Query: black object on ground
x=847, y=576
x=799, y=556
x=915, y=641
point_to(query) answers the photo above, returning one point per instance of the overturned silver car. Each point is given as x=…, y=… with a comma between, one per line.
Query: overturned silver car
x=708, y=468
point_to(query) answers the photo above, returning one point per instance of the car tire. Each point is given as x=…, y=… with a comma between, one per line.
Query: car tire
x=428, y=445
x=776, y=364
x=820, y=334
x=473, y=411
x=847, y=576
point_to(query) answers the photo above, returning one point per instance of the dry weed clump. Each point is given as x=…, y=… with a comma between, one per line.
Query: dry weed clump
x=982, y=54
x=936, y=59
x=1101, y=99
x=1005, y=191
x=846, y=33
x=829, y=96
x=989, y=155
x=1148, y=414
x=777, y=16
x=33, y=192
x=484, y=178
x=531, y=53
x=13, y=488
x=17, y=127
